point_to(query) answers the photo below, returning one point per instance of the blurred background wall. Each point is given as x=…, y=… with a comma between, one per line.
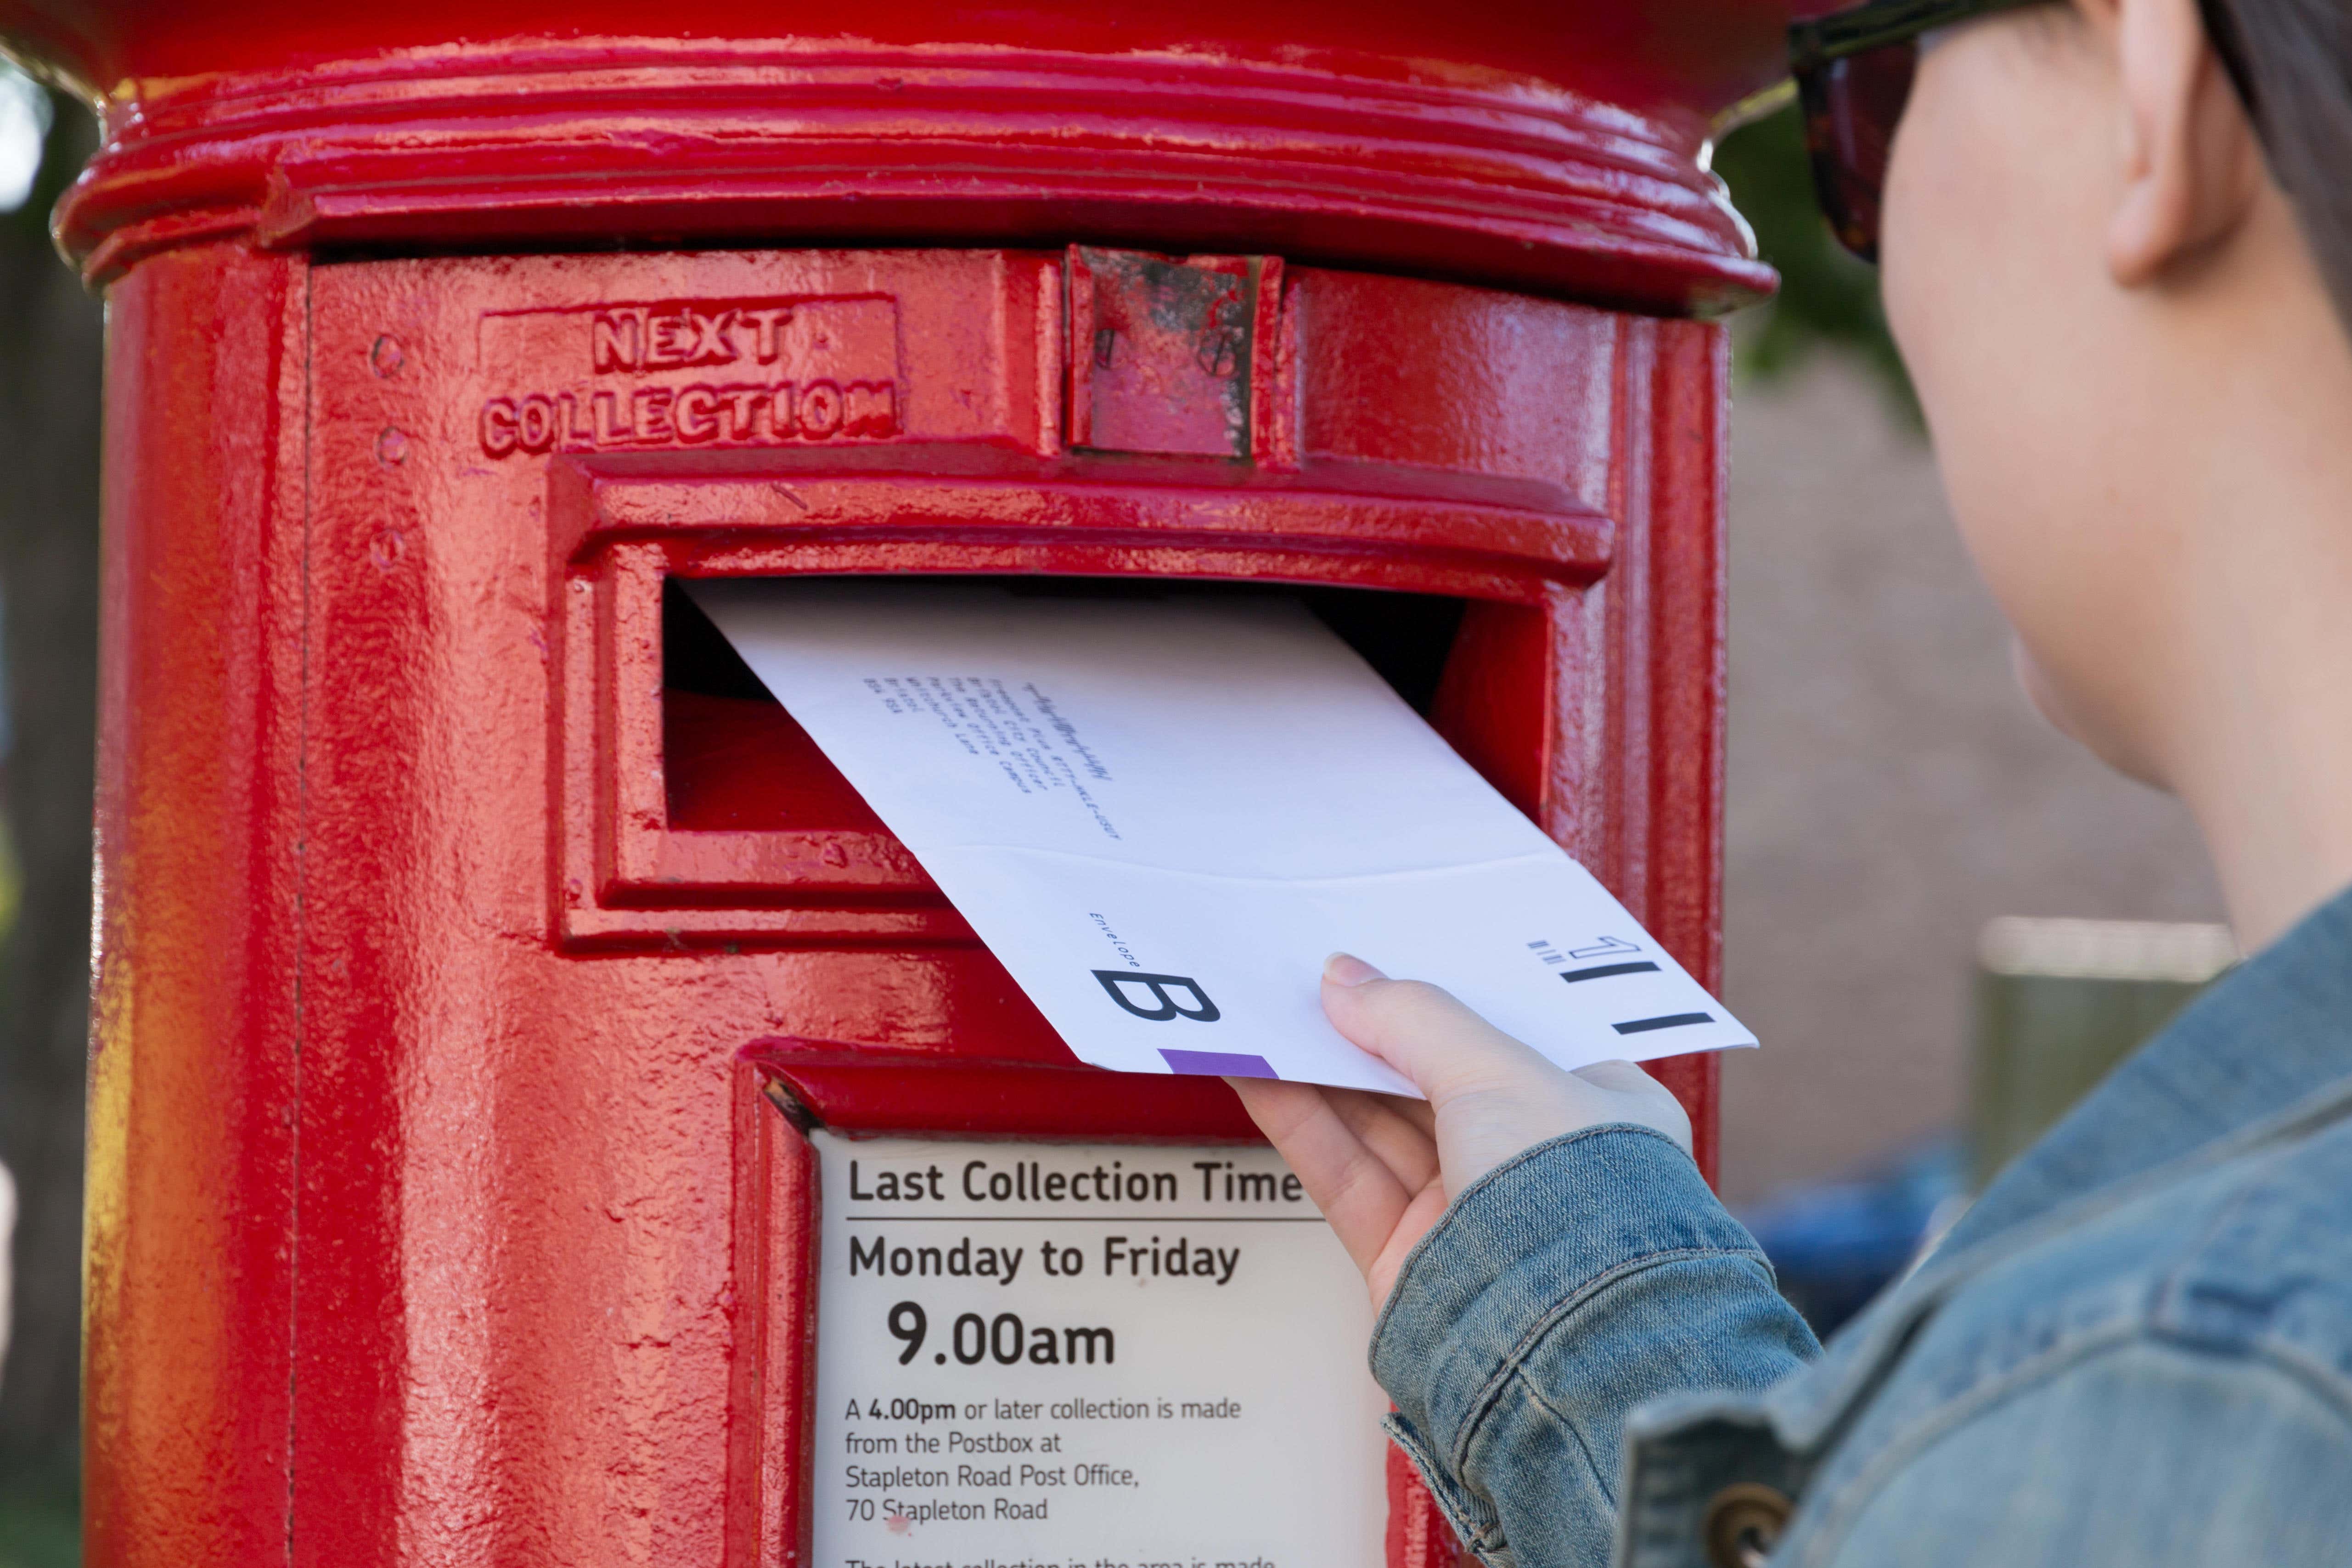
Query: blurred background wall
x=1889, y=789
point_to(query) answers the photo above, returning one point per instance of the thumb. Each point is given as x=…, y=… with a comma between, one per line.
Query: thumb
x=1422, y=1031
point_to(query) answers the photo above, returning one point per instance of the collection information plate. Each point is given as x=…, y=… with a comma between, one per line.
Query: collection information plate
x=1054, y=1356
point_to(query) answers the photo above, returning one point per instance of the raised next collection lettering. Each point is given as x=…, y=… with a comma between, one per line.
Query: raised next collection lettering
x=697, y=373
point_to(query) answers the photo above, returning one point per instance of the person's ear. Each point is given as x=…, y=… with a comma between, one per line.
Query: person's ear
x=2190, y=163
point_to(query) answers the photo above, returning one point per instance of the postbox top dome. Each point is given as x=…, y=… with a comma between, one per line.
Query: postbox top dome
x=1552, y=143
x=1700, y=54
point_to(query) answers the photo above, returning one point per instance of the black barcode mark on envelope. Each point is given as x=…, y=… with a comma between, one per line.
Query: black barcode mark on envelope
x=1671, y=1021
x=1602, y=971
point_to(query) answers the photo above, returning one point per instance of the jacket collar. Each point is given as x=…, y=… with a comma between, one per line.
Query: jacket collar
x=2265, y=1036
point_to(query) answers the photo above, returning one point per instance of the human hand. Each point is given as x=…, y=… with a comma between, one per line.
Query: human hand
x=1381, y=1168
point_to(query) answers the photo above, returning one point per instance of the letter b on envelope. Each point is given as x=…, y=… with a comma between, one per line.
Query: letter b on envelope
x=1167, y=1008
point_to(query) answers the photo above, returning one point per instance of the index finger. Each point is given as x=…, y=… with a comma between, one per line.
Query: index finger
x=1427, y=1034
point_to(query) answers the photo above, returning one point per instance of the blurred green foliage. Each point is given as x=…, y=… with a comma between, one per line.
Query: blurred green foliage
x=1828, y=300
x=40, y=1526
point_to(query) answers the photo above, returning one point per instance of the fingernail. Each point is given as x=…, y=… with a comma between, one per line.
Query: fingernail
x=1347, y=970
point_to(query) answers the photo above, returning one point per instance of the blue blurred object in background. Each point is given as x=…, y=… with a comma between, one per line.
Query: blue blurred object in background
x=1836, y=1244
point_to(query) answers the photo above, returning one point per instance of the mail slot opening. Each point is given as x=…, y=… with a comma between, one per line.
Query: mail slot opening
x=735, y=761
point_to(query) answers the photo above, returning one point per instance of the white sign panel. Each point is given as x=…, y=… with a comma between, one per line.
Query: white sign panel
x=1162, y=814
x=1050, y=1355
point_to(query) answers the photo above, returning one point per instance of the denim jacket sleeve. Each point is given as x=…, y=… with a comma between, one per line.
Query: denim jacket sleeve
x=1587, y=1275
x=2144, y=1453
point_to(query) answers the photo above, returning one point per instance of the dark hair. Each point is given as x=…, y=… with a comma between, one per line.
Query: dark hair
x=2292, y=63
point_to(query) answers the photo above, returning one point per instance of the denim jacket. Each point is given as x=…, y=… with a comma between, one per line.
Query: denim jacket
x=2135, y=1350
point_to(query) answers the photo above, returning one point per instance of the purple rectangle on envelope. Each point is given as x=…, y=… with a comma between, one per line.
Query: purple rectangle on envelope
x=1221, y=1063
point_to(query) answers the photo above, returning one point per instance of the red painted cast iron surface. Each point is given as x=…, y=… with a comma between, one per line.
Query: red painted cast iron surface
x=433, y=1218
x=453, y=917
x=1553, y=147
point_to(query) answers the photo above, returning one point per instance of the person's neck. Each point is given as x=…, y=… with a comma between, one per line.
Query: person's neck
x=2262, y=751
x=2276, y=814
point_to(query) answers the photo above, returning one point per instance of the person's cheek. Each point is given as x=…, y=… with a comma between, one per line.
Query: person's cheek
x=1967, y=297
x=1942, y=240
x=1925, y=229
x=1993, y=279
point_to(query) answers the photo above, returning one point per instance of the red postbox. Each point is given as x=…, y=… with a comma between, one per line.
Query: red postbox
x=445, y=871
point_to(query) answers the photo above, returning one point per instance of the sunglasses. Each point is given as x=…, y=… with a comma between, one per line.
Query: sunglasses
x=1854, y=71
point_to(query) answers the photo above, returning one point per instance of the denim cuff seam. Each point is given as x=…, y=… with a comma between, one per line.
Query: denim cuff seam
x=1461, y=1200
x=1450, y=1496
x=1514, y=1363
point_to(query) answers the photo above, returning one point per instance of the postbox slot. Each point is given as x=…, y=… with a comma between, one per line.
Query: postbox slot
x=735, y=761
x=710, y=819
x=732, y=759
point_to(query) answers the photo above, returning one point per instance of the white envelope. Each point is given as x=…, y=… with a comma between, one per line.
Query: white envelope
x=1160, y=814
